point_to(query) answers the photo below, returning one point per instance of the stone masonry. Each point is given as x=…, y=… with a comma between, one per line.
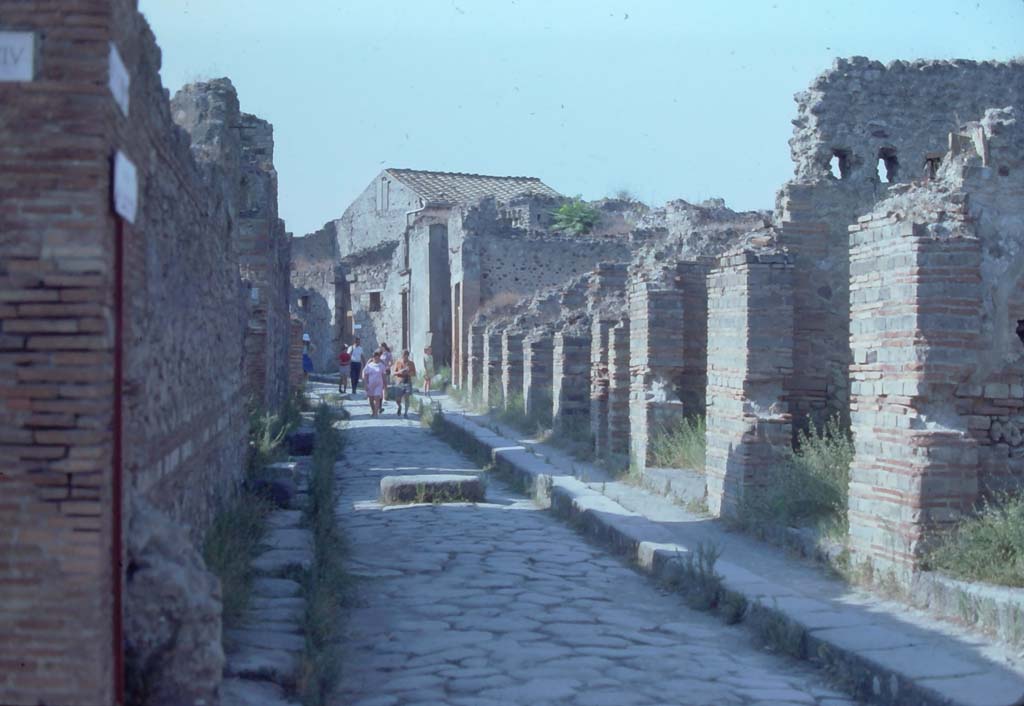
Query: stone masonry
x=750, y=300
x=113, y=327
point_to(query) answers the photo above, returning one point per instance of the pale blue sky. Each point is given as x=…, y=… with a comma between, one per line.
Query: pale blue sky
x=664, y=98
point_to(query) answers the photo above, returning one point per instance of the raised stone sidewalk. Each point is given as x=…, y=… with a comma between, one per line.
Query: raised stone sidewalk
x=887, y=652
x=263, y=656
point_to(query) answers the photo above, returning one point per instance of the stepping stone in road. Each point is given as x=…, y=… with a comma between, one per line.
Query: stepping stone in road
x=440, y=488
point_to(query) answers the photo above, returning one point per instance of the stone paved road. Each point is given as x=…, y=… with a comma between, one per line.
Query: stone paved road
x=500, y=604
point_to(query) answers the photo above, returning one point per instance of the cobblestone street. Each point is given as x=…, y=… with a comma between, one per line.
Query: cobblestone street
x=499, y=603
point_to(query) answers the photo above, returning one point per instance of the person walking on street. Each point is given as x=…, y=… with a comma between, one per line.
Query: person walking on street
x=387, y=360
x=405, y=372
x=344, y=369
x=307, y=360
x=373, y=379
x=428, y=369
x=355, y=352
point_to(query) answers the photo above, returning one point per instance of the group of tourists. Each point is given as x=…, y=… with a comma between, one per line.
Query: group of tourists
x=384, y=378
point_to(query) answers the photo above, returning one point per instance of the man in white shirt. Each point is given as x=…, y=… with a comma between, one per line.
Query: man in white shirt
x=356, y=365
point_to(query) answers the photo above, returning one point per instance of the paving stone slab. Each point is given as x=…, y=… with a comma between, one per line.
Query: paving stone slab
x=853, y=631
x=261, y=663
x=431, y=488
x=277, y=561
x=261, y=636
x=246, y=692
x=267, y=587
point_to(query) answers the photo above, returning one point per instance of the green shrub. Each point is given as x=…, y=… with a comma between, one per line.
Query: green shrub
x=514, y=414
x=988, y=546
x=810, y=485
x=681, y=445
x=576, y=216
x=231, y=544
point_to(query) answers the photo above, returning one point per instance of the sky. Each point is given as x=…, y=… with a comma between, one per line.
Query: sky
x=663, y=99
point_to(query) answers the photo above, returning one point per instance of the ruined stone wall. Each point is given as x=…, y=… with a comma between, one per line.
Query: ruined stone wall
x=67, y=496
x=56, y=365
x=313, y=298
x=875, y=125
x=372, y=298
x=936, y=275
x=243, y=146
x=750, y=358
x=375, y=217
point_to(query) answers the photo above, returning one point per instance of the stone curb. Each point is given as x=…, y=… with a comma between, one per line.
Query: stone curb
x=874, y=662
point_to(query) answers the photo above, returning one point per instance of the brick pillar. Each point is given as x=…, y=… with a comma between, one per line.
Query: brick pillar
x=512, y=366
x=599, y=335
x=571, y=379
x=475, y=358
x=618, y=389
x=656, y=360
x=916, y=336
x=491, y=367
x=295, y=375
x=538, y=362
x=750, y=359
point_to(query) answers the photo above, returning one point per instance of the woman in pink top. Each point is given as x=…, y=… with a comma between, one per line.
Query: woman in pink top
x=373, y=383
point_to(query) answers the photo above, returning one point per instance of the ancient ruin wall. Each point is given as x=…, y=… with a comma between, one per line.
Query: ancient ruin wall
x=862, y=110
x=852, y=116
x=182, y=331
x=314, y=292
x=936, y=274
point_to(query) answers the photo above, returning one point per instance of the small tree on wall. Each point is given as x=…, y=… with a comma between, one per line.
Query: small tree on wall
x=576, y=216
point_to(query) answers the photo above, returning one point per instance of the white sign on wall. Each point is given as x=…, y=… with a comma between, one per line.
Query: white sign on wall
x=126, y=187
x=356, y=327
x=120, y=82
x=17, y=56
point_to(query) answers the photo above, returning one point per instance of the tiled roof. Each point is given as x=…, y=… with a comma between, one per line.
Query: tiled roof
x=468, y=188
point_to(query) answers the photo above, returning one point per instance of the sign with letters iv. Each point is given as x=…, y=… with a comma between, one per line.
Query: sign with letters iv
x=17, y=56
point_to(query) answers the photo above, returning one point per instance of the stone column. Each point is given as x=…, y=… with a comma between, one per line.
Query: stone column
x=656, y=359
x=475, y=362
x=600, y=331
x=491, y=367
x=750, y=359
x=618, y=389
x=571, y=380
x=512, y=367
x=919, y=358
x=538, y=362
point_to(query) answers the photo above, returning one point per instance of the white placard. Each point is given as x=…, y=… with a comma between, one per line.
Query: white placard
x=126, y=187
x=356, y=327
x=17, y=56
x=120, y=82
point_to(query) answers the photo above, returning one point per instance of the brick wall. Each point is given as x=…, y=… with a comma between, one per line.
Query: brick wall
x=538, y=361
x=571, y=378
x=512, y=366
x=56, y=362
x=618, y=388
x=750, y=358
x=491, y=367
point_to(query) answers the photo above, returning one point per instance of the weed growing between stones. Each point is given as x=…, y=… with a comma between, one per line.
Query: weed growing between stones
x=988, y=546
x=231, y=544
x=514, y=414
x=326, y=587
x=573, y=434
x=268, y=430
x=809, y=486
x=694, y=576
x=680, y=446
